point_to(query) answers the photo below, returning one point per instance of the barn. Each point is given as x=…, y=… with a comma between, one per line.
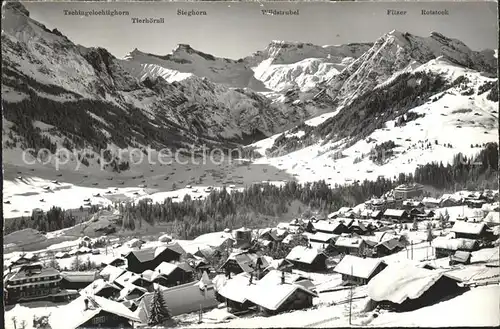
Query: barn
x=405, y=287
x=357, y=270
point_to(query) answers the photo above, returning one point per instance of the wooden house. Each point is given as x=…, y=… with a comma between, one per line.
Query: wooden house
x=307, y=258
x=447, y=247
x=170, y=274
x=244, y=262
x=352, y=245
x=93, y=312
x=396, y=215
x=357, y=270
x=469, y=230
x=331, y=227
x=102, y=288
x=357, y=227
x=235, y=292
x=405, y=287
x=141, y=260
x=272, y=298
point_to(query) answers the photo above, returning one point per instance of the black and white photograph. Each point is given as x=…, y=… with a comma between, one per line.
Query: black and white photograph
x=250, y=164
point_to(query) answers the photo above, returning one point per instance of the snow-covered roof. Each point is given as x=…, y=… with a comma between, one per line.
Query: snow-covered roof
x=468, y=227
x=274, y=277
x=235, y=289
x=454, y=244
x=326, y=226
x=74, y=314
x=129, y=289
x=303, y=254
x=166, y=268
x=493, y=217
x=272, y=296
x=430, y=200
x=127, y=277
x=78, y=276
x=96, y=286
x=111, y=271
x=353, y=242
x=398, y=282
x=357, y=266
x=394, y=212
x=320, y=236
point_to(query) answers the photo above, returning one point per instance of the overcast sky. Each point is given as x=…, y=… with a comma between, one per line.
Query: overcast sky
x=236, y=30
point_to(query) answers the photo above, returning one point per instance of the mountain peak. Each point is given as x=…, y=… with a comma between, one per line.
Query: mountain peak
x=17, y=6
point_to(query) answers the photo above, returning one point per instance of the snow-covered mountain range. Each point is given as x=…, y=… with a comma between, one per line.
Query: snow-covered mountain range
x=55, y=92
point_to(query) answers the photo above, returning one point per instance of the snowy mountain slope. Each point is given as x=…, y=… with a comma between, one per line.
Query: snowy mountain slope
x=395, y=51
x=188, y=60
x=301, y=64
x=46, y=77
x=447, y=122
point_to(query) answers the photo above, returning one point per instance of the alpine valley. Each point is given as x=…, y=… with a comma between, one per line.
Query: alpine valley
x=300, y=111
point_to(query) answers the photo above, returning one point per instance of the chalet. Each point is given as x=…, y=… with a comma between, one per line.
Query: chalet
x=307, y=258
x=270, y=235
x=396, y=215
x=370, y=214
x=405, y=287
x=448, y=202
x=447, y=247
x=460, y=257
x=170, y=275
x=388, y=245
x=244, y=262
x=357, y=270
x=77, y=280
x=431, y=202
x=135, y=243
x=282, y=265
x=140, y=260
x=407, y=191
x=61, y=255
x=235, y=292
x=342, y=211
x=101, y=288
x=492, y=219
x=300, y=224
x=23, y=259
x=32, y=282
x=92, y=312
x=110, y=273
x=320, y=237
x=116, y=261
x=131, y=292
x=357, y=227
x=186, y=298
x=468, y=230
x=272, y=298
x=376, y=204
x=412, y=204
x=352, y=245
x=475, y=203
x=331, y=227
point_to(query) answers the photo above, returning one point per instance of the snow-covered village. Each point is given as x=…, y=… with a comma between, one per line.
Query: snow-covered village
x=351, y=185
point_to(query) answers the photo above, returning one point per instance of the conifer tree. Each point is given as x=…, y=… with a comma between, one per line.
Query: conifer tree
x=159, y=311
